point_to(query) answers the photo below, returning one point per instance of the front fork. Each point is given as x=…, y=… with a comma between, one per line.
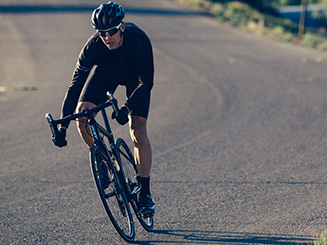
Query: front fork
x=99, y=142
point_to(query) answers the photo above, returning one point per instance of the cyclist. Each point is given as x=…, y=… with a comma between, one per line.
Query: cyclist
x=117, y=53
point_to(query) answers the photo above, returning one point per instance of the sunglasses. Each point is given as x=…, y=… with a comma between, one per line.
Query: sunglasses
x=111, y=31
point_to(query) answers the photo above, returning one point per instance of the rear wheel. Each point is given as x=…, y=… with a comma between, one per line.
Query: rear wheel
x=111, y=194
x=131, y=173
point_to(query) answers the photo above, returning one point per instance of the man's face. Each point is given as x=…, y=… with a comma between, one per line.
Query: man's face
x=114, y=41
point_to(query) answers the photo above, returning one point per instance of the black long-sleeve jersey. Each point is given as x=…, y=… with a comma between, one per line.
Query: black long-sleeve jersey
x=134, y=57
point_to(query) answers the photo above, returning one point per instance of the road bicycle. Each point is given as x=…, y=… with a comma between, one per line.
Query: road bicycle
x=114, y=171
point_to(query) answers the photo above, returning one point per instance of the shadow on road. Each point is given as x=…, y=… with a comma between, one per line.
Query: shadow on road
x=45, y=8
x=217, y=237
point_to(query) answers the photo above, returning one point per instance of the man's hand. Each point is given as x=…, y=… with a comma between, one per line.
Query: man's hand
x=60, y=138
x=122, y=118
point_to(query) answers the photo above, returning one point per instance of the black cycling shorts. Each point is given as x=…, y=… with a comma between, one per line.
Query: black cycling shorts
x=103, y=79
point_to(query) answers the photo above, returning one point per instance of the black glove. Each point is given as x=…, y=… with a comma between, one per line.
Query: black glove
x=122, y=118
x=60, y=138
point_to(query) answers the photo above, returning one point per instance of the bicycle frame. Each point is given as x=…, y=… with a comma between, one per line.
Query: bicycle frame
x=95, y=129
x=113, y=155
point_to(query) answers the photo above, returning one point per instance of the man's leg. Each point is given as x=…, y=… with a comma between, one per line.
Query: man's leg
x=142, y=147
x=82, y=128
x=143, y=159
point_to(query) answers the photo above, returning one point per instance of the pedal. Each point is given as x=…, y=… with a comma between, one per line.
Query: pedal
x=147, y=215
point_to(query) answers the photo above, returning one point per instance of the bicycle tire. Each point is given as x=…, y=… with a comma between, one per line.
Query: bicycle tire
x=113, y=199
x=131, y=173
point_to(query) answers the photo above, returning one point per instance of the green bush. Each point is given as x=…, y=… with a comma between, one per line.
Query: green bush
x=322, y=240
x=310, y=40
x=238, y=13
x=288, y=37
x=322, y=45
x=278, y=30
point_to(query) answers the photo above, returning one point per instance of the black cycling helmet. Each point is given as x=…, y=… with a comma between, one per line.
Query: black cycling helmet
x=107, y=15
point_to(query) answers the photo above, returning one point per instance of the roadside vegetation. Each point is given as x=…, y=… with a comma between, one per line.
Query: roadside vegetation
x=262, y=17
x=322, y=240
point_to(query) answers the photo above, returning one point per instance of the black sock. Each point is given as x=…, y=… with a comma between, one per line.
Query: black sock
x=145, y=186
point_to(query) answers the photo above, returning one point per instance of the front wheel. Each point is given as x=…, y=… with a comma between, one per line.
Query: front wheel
x=131, y=173
x=112, y=194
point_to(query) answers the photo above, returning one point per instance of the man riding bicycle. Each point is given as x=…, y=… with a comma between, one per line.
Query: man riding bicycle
x=117, y=54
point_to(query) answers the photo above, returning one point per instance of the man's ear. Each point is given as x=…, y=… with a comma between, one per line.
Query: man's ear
x=122, y=27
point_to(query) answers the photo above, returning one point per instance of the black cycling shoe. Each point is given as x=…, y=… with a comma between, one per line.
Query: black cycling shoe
x=146, y=206
x=104, y=177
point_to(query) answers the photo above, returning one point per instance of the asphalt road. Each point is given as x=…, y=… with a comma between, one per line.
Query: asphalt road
x=237, y=125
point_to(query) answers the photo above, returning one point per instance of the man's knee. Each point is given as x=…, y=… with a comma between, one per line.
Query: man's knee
x=81, y=107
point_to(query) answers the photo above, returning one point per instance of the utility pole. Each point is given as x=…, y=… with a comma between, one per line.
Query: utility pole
x=303, y=18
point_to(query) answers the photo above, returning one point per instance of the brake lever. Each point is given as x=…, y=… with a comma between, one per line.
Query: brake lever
x=53, y=126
